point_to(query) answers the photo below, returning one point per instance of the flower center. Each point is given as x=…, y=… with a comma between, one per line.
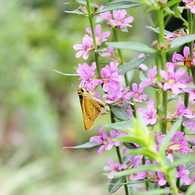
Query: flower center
x=106, y=80
x=136, y=95
x=192, y=3
x=171, y=81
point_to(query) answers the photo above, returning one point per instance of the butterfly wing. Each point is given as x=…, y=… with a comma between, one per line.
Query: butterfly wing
x=91, y=111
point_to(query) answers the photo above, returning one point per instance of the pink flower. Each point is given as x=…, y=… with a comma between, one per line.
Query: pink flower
x=162, y=181
x=110, y=76
x=136, y=161
x=151, y=75
x=119, y=19
x=173, y=80
x=110, y=52
x=178, y=143
x=150, y=115
x=113, y=168
x=99, y=38
x=190, y=4
x=136, y=95
x=182, y=172
x=106, y=16
x=88, y=76
x=85, y=48
x=142, y=66
x=107, y=142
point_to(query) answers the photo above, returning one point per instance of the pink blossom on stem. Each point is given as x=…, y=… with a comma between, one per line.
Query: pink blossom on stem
x=113, y=168
x=182, y=173
x=84, y=48
x=110, y=52
x=178, y=143
x=190, y=4
x=88, y=76
x=136, y=161
x=150, y=115
x=119, y=19
x=110, y=76
x=136, y=95
x=173, y=80
x=151, y=75
x=142, y=66
x=100, y=38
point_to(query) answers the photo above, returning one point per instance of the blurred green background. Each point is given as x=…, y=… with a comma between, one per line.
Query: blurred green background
x=40, y=112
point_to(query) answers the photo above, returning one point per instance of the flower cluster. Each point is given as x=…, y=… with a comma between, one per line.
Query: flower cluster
x=148, y=132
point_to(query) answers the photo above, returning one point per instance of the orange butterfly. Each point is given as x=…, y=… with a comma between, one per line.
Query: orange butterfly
x=91, y=107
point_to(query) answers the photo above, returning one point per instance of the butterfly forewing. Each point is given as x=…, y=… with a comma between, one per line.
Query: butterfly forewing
x=91, y=111
x=90, y=107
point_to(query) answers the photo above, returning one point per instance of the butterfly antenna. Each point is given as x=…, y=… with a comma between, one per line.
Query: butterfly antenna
x=72, y=85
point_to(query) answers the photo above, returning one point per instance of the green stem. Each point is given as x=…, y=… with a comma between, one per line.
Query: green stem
x=93, y=35
x=163, y=64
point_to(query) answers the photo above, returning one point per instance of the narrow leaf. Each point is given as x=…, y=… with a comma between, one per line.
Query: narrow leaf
x=119, y=112
x=85, y=145
x=190, y=86
x=191, y=190
x=115, y=184
x=125, y=4
x=191, y=143
x=70, y=2
x=169, y=135
x=156, y=30
x=144, y=151
x=76, y=11
x=125, y=125
x=182, y=161
x=182, y=40
x=137, y=170
x=156, y=191
x=190, y=133
x=171, y=3
x=131, y=65
x=65, y=73
x=133, y=46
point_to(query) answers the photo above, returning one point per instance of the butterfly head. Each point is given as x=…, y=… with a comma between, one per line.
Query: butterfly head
x=81, y=90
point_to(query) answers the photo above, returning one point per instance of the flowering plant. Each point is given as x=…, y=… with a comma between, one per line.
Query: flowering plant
x=149, y=150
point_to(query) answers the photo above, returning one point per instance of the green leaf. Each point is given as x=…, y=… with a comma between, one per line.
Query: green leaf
x=129, y=145
x=188, y=119
x=85, y=145
x=133, y=46
x=128, y=138
x=187, y=159
x=190, y=133
x=76, y=11
x=125, y=125
x=146, y=2
x=156, y=30
x=190, y=86
x=171, y=3
x=125, y=4
x=115, y=184
x=137, y=170
x=70, y=2
x=177, y=42
x=65, y=73
x=131, y=65
x=143, y=76
x=169, y=135
x=191, y=169
x=156, y=191
x=191, y=143
x=119, y=112
x=144, y=151
x=191, y=190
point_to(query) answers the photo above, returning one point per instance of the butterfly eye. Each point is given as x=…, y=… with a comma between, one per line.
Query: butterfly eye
x=82, y=90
